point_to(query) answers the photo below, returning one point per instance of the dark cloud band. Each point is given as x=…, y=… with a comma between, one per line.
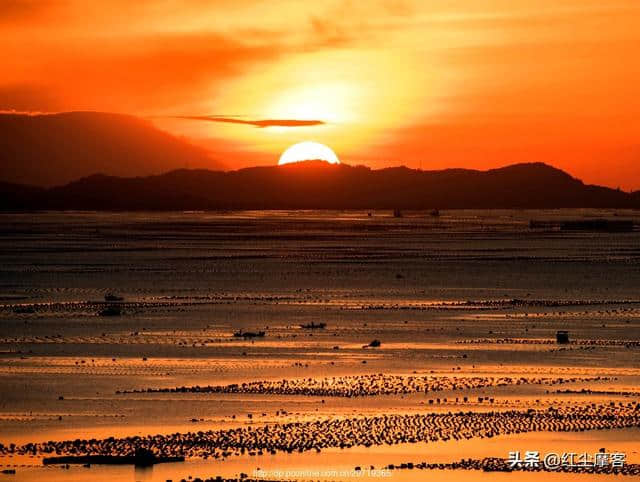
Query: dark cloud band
x=257, y=123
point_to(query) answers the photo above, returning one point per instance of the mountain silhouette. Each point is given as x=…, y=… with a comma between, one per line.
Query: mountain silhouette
x=319, y=185
x=53, y=149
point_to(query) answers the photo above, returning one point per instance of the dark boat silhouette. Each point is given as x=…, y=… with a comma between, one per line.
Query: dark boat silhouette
x=113, y=297
x=249, y=334
x=110, y=311
x=314, y=326
x=142, y=458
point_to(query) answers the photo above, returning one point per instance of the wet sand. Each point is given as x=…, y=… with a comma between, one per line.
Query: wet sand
x=465, y=307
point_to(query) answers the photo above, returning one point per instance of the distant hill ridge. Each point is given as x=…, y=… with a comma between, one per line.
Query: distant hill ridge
x=319, y=185
x=54, y=149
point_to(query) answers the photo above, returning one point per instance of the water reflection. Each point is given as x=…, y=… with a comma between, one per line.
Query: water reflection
x=143, y=474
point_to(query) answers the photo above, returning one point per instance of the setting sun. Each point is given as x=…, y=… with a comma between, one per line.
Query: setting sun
x=307, y=151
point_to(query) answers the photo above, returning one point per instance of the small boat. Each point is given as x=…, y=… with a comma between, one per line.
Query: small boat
x=249, y=334
x=314, y=326
x=562, y=337
x=374, y=344
x=110, y=311
x=142, y=458
x=111, y=297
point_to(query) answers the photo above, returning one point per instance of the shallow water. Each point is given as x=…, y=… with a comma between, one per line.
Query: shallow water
x=437, y=292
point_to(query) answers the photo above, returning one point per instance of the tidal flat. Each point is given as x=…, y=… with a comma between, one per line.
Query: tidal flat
x=121, y=331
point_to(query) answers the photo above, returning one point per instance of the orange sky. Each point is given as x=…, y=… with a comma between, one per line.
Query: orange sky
x=474, y=83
